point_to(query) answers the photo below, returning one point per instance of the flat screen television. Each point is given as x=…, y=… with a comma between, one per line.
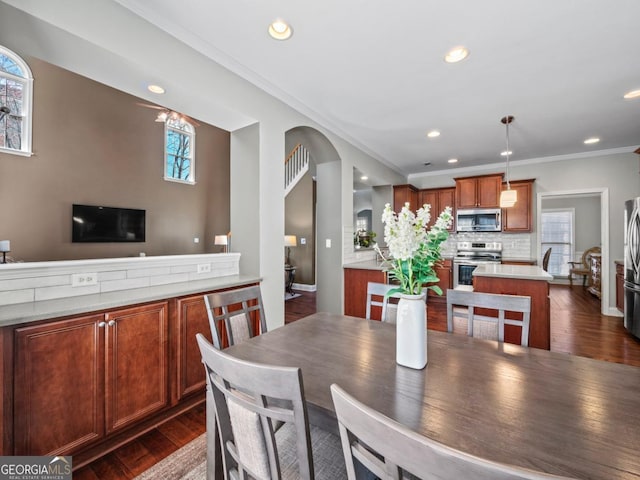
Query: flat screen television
x=92, y=223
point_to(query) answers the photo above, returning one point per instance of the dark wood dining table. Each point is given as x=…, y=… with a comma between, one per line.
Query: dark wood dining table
x=546, y=411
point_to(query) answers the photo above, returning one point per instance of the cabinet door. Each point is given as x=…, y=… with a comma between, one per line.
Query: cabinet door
x=59, y=386
x=403, y=194
x=466, y=192
x=444, y=273
x=136, y=364
x=191, y=319
x=488, y=191
x=430, y=197
x=447, y=198
x=518, y=217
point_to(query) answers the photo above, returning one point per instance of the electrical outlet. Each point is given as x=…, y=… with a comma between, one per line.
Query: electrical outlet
x=204, y=267
x=84, y=279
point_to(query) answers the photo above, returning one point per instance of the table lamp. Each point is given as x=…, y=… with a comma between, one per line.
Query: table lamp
x=5, y=246
x=290, y=241
x=222, y=240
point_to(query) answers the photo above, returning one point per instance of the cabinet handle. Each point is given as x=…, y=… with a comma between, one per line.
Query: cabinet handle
x=102, y=324
x=112, y=323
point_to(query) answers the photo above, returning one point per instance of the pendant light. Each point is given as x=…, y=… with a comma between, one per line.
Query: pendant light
x=508, y=197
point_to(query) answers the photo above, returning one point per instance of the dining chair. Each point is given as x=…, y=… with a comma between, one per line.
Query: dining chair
x=251, y=446
x=235, y=308
x=483, y=326
x=391, y=451
x=583, y=267
x=389, y=310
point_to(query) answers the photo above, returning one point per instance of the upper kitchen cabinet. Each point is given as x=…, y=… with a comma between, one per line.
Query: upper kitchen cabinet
x=518, y=219
x=438, y=198
x=478, y=192
x=403, y=194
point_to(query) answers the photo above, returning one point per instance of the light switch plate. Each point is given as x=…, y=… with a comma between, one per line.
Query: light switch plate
x=327, y=243
x=303, y=241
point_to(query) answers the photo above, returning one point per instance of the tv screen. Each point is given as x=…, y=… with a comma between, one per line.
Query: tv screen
x=107, y=224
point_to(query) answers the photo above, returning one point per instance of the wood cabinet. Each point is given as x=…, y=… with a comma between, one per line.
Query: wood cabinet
x=518, y=219
x=595, y=267
x=439, y=198
x=355, y=289
x=444, y=271
x=478, y=192
x=620, y=286
x=191, y=319
x=403, y=194
x=79, y=379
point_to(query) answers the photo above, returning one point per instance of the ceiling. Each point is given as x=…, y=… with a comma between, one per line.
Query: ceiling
x=373, y=71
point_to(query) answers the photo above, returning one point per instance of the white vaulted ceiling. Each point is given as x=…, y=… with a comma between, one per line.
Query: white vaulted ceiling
x=373, y=71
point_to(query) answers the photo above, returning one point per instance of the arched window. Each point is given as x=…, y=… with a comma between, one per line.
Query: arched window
x=16, y=84
x=179, y=156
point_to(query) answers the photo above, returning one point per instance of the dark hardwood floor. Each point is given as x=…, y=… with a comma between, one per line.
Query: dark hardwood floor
x=577, y=328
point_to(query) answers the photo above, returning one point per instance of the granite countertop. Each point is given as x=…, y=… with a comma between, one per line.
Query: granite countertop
x=42, y=310
x=524, y=272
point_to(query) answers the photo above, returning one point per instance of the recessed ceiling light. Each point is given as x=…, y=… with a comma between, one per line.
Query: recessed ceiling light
x=456, y=54
x=452, y=160
x=155, y=89
x=591, y=140
x=364, y=177
x=632, y=94
x=433, y=134
x=280, y=30
x=506, y=152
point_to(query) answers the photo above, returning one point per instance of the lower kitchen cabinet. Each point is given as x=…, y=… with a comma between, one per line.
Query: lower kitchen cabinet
x=191, y=319
x=79, y=379
x=444, y=271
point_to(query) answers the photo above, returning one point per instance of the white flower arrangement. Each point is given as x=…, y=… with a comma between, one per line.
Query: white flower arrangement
x=414, y=250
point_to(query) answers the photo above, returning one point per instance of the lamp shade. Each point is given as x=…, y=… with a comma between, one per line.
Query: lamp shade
x=508, y=198
x=221, y=240
x=5, y=246
x=290, y=241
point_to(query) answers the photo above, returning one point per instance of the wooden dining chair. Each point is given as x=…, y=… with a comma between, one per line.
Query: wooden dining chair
x=235, y=309
x=391, y=451
x=379, y=290
x=583, y=267
x=251, y=446
x=483, y=326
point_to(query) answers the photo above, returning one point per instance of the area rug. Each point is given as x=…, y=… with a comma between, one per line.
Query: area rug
x=186, y=463
x=288, y=296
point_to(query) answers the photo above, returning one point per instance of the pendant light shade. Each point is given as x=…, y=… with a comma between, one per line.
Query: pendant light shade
x=508, y=197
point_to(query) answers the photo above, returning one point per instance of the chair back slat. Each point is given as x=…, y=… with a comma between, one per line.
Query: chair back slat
x=380, y=290
x=235, y=308
x=490, y=301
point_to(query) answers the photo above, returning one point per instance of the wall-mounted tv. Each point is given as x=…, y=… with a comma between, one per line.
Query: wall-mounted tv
x=92, y=223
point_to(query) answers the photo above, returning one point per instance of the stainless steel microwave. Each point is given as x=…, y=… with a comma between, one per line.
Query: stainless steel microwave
x=478, y=220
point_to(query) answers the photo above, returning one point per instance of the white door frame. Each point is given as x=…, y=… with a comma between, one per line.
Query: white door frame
x=605, y=308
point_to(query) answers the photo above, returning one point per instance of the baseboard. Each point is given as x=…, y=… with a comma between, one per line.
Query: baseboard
x=304, y=287
x=614, y=312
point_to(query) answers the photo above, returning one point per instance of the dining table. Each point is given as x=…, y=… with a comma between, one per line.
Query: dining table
x=546, y=411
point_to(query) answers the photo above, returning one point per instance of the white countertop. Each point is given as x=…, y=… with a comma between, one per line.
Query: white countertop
x=524, y=272
x=28, y=312
x=368, y=265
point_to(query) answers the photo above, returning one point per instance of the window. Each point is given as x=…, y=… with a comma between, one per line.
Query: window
x=179, y=156
x=557, y=233
x=15, y=104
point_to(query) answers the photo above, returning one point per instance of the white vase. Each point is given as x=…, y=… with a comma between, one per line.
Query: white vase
x=411, y=331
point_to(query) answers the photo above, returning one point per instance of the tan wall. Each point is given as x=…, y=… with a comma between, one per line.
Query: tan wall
x=299, y=221
x=94, y=145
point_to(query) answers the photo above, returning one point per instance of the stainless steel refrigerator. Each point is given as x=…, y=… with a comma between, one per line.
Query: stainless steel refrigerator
x=632, y=266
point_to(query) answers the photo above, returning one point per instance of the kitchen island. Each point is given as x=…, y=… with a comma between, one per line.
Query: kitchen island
x=358, y=274
x=527, y=280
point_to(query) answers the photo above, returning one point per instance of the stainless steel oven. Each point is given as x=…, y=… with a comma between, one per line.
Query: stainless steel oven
x=471, y=254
